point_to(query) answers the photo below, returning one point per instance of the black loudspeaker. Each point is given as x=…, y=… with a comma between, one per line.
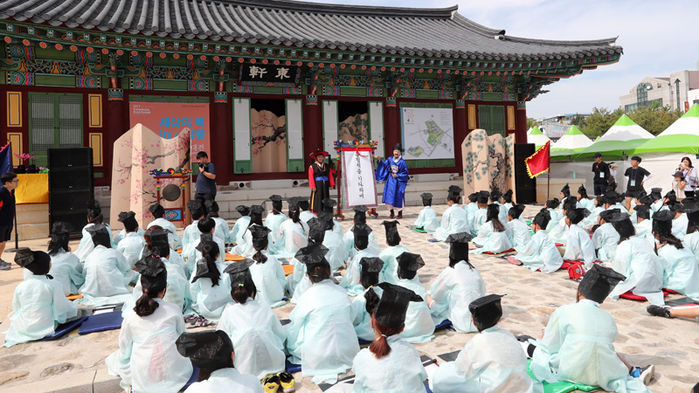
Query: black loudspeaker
x=525, y=186
x=70, y=186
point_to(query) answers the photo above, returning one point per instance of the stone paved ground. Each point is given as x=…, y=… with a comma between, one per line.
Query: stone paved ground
x=672, y=345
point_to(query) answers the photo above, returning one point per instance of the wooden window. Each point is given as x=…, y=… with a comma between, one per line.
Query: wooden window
x=491, y=118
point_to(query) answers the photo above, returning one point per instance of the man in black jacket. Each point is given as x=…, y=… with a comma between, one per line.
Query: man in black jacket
x=602, y=174
x=7, y=212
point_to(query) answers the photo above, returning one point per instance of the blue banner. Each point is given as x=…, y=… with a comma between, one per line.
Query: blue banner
x=6, y=159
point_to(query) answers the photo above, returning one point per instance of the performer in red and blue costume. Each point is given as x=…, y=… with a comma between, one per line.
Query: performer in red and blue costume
x=394, y=171
x=320, y=179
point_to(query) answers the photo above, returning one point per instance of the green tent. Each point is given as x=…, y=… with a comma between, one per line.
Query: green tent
x=570, y=143
x=537, y=137
x=682, y=136
x=620, y=139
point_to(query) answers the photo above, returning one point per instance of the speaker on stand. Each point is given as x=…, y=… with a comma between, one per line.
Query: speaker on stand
x=524, y=185
x=70, y=186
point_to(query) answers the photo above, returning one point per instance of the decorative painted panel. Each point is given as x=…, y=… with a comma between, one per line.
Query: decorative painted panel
x=95, y=139
x=472, y=117
x=330, y=125
x=15, y=139
x=14, y=109
x=510, y=118
x=94, y=102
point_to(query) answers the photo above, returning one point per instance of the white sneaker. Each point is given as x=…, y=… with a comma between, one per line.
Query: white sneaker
x=647, y=374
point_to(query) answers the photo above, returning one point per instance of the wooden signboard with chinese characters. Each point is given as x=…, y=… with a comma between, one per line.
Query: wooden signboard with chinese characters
x=358, y=176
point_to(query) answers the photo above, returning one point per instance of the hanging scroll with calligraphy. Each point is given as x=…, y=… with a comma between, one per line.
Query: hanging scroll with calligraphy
x=359, y=184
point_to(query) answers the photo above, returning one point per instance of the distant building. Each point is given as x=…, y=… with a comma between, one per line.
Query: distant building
x=678, y=91
x=554, y=127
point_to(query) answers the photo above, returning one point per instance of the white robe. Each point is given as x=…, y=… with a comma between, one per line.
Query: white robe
x=236, y=233
x=540, y=254
x=306, y=215
x=87, y=245
x=579, y=247
x=479, y=217
x=67, y=271
x=644, y=230
x=427, y=219
x=361, y=319
x=492, y=362
x=605, y=240
x=221, y=229
x=454, y=220
x=257, y=336
x=558, y=231
x=172, y=236
x=107, y=277
x=191, y=234
x=350, y=281
x=270, y=280
x=348, y=239
x=227, y=380
x=320, y=335
x=591, y=220
x=209, y=300
x=147, y=359
x=691, y=243
x=679, y=226
x=273, y=222
x=491, y=241
x=190, y=253
x=399, y=371
x=337, y=253
x=419, y=327
x=470, y=209
x=452, y=291
x=176, y=292
x=292, y=237
x=680, y=270
x=122, y=234
x=131, y=247
x=389, y=271
x=520, y=233
x=636, y=260
x=556, y=217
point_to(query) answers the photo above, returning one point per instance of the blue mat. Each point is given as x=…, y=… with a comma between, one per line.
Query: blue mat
x=63, y=329
x=193, y=378
x=364, y=342
x=101, y=322
x=445, y=324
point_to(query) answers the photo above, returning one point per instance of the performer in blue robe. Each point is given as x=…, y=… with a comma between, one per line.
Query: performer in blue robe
x=394, y=171
x=427, y=218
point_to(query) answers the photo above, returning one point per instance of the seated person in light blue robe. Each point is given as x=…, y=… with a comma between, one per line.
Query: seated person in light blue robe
x=644, y=225
x=154, y=237
x=459, y=284
x=564, y=195
x=506, y=200
x=605, y=237
x=493, y=361
x=306, y=213
x=541, y=252
x=38, y=303
x=669, y=200
x=273, y=221
x=471, y=207
x=691, y=240
x=493, y=235
x=496, y=199
x=66, y=268
x=212, y=353
x=419, y=327
x=297, y=282
x=241, y=224
x=348, y=237
x=352, y=275
x=591, y=220
x=321, y=335
x=559, y=234
x=584, y=201
x=454, y=219
x=147, y=359
x=579, y=246
x=210, y=290
x=255, y=331
x=658, y=202
x=191, y=232
x=479, y=216
x=267, y=272
x=131, y=246
x=329, y=208
x=519, y=232
x=292, y=234
x=244, y=246
x=206, y=227
x=221, y=230
x=390, y=364
x=94, y=217
x=158, y=212
x=337, y=253
x=578, y=342
x=107, y=273
x=680, y=222
x=556, y=215
x=635, y=259
x=362, y=304
x=389, y=255
x=122, y=234
x=680, y=266
x=427, y=217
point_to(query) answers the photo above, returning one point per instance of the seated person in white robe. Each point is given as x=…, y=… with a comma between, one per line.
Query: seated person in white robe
x=657, y=204
x=427, y=217
x=255, y=331
x=158, y=212
x=210, y=290
x=267, y=271
x=352, y=274
x=493, y=235
x=635, y=259
x=206, y=227
x=458, y=284
x=363, y=303
x=554, y=212
x=479, y=216
x=680, y=266
x=541, y=252
x=306, y=213
x=591, y=220
x=389, y=255
x=38, y=303
x=273, y=221
x=292, y=234
x=564, y=194
x=107, y=273
x=691, y=240
x=579, y=246
x=605, y=237
x=680, y=222
x=471, y=207
x=644, y=225
x=212, y=353
x=578, y=342
x=131, y=246
x=390, y=364
x=584, y=200
x=94, y=217
x=191, y=232
x=321, y=335
x=492, y=361
x=337, y=253
x=454, y=219
x=221, y=230
x=419, y=327
x=241, y=224
x=669, y=200
x=496, y=199
x=519, y=232
x=348, y=237
x=506, y=200
x=66, y=268
x=154, y=243
x=297, y=282
x=328, y=205
x=244, y=246
x=147, y=359
x=559, y=234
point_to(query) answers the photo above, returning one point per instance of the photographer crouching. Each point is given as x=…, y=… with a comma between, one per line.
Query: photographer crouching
x=206, y=181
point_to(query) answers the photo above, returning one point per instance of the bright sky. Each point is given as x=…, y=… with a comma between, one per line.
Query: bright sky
x=658, y=37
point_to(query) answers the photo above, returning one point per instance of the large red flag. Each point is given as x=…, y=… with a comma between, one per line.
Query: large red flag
x=538, y=162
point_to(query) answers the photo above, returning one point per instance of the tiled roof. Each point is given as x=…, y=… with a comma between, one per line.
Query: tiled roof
x=405, y=31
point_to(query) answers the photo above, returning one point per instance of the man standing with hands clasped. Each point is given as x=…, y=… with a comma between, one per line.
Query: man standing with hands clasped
x=7, y=212
x=206, y=181
x=602, y=175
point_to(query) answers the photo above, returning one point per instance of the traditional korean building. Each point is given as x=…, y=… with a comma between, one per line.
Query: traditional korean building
x=269, y=81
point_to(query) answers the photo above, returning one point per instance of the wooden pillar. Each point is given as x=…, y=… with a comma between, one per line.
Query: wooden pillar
x=460, y=132
x=221, y=138
x=521, y=122
x=312, y=128
x=391, y=126
x=116, y=118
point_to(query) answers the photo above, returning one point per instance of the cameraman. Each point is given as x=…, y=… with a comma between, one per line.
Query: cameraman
x=206, y=181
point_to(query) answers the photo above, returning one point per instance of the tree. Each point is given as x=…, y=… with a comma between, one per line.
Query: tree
x=598, y=122
x=655, y=118
x=532, y=122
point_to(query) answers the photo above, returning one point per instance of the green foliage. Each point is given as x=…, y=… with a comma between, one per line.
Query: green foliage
x=654, y=118
x=532, y=122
